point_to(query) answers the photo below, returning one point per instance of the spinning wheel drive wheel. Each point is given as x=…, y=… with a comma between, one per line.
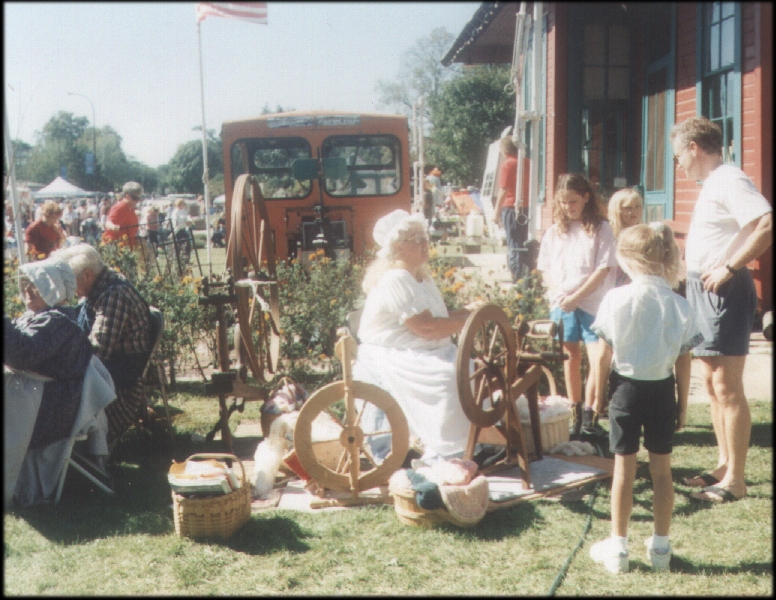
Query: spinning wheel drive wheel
x=250, y=254
x=352, y=441
x=486, y=365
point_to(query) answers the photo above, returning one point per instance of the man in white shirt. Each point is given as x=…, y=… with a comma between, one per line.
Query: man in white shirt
x=731, y=226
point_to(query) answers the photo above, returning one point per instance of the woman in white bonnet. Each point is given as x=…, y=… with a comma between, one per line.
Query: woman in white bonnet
x=46, y=341
x=404, y=333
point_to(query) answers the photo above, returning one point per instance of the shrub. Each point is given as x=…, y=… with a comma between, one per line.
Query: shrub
x=314, y=304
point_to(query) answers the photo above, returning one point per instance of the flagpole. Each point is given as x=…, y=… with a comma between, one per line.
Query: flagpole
x=205, y=176
x=17, y=217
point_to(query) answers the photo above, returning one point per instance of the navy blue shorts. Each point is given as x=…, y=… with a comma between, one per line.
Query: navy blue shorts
x=725, y=319
x=636, y=404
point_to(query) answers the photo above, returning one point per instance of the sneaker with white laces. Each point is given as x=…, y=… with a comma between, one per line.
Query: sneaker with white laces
x=608, y=553
x=661, y=558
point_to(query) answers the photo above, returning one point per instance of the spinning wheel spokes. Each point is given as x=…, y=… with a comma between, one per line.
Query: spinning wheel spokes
x=485, y=365
x=251, y=256
x=354, y=465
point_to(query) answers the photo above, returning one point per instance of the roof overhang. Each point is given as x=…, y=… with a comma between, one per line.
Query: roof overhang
x=488, y=38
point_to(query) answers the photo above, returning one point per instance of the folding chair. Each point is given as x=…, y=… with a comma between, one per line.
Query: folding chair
x=157, y=329
x=91, y=425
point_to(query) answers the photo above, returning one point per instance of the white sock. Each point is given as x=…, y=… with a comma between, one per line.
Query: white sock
x=659, y=542
x=621, y=542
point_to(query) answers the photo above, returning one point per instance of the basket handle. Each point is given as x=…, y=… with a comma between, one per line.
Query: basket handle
x=551, y=380
x=218, y=455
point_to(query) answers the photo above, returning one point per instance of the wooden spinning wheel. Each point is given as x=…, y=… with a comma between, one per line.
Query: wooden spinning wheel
x=356, y=469
x=486, y=365
x=495, y=367
x=251, y=256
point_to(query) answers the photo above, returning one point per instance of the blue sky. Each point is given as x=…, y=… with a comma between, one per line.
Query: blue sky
x=138, y=63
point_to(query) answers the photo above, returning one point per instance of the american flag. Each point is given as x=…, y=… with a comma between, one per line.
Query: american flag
x=255, y=12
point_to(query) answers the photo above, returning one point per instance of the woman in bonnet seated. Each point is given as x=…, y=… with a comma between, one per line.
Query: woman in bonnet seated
x=46, y=341
x=404, y=333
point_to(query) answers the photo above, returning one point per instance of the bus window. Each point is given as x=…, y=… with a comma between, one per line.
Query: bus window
x=270, y=159
x=373, y=164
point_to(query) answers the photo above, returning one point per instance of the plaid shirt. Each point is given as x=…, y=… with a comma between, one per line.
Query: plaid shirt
x=119, y=315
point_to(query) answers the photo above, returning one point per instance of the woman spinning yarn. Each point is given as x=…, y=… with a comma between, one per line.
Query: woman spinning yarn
x=405, y=346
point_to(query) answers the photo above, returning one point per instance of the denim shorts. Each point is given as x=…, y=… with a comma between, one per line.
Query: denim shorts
x=725, y=319
x=576, y=325
x=636, y=404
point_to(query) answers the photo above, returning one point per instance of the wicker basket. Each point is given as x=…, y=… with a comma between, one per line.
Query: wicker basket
x=554, y=431
x=410, y=513
x=214, y=517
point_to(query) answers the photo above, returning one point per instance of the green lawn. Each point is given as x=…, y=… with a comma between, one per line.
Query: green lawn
x=92, y=544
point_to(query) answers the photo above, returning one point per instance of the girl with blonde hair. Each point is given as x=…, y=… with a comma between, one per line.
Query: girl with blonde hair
x=647, y=332
x=625, y=210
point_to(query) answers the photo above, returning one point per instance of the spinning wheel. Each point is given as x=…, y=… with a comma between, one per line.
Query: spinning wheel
x=494, y=369
x=486, y=365
x=251, y=256
x=356, y=468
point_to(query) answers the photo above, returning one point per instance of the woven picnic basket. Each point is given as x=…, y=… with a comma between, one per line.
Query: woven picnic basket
x=213, y=517
x=409, y=513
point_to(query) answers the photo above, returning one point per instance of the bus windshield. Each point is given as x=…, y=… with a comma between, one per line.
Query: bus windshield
x=271, y=159
x=372, y=164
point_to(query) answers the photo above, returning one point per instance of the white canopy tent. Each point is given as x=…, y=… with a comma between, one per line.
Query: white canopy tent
x=59, y=188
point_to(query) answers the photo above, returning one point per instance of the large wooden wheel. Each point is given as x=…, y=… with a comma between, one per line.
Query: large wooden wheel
x=356, y=469
x=486, y=365
x=250, y=255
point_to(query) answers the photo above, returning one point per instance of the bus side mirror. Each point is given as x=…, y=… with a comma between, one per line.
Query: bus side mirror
x=305, y=169
x=335, y=167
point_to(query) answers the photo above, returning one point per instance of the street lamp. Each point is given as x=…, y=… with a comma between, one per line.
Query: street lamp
x=94, y=138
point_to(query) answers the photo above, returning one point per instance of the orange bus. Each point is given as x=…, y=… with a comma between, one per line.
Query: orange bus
x=326, y=177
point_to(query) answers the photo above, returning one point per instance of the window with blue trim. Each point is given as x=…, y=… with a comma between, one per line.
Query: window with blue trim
x=721, y=73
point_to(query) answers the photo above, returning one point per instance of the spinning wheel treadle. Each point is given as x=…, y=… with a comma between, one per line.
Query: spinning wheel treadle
x=486, y=365
x=250, y=254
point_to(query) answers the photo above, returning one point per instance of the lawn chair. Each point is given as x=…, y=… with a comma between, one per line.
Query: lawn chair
x=90, y=427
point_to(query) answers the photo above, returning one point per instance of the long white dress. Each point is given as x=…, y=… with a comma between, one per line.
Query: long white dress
x=420, y=374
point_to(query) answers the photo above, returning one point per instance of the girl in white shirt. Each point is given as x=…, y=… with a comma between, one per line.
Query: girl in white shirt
x=647, y=331
x=576, y=259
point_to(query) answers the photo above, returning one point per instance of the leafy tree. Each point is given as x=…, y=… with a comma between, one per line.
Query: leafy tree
x=184, y=171
x=421, y=73
x=22, y=155
x=468, y=114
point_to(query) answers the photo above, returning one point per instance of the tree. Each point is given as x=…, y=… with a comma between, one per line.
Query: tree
x=183, y=174
x=421, y=73
x=468, y=114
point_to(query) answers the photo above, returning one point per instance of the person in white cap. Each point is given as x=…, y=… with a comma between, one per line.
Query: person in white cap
x=46, y=341
x=404, y=333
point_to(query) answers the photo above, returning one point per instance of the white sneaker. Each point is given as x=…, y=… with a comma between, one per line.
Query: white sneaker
x=660, y=559
x=609, y=554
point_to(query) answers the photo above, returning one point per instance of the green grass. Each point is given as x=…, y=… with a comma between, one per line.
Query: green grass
x=92, y=544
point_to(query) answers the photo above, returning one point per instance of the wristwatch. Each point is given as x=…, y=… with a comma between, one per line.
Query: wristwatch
x=731, y=269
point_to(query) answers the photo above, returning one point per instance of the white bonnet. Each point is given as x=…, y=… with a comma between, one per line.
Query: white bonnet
x=388, y=228
x=54, y=280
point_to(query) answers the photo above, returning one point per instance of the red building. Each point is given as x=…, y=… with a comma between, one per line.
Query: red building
x=614, y=79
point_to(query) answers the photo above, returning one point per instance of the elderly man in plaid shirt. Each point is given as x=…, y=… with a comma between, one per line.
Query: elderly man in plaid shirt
x=117, y=319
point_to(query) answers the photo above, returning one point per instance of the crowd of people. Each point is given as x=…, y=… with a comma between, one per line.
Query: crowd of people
x=610, y=279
